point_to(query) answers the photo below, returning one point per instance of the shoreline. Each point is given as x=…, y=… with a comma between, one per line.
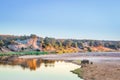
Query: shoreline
x=77, y=56
x=105, y=65
x=99, y=71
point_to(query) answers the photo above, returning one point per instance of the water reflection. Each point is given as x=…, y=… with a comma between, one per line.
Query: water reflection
x=37, y=69
x=31, y=64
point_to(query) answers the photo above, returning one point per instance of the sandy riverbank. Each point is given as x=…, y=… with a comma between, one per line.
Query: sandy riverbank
x=78, y=56
x=109, y=70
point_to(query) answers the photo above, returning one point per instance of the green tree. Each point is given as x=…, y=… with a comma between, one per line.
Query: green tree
x=91, y=43
x=59, y=44
x=33, y=36
x=74, y=44
x=49, y=41
x=1, y=43
x=67, y=43
x=46, y=41
x=89, y=49
x=80, y=45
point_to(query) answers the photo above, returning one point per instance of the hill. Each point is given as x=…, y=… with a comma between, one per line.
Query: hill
x=52, y=45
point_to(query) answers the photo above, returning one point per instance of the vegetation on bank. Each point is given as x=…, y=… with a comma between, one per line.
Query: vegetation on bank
x=23, y=53
x=79, y=72
x=53, y=45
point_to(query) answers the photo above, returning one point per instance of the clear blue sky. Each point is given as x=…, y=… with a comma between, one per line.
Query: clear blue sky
x=80, y=19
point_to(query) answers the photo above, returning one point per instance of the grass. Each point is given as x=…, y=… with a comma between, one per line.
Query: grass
x=78, y=71
x=23, y=53
x=77, y=62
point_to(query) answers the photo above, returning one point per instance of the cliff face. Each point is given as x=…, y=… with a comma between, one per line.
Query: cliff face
x=32, y=42
x=25, y=44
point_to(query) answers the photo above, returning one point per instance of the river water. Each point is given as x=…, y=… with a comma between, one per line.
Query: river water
x=38, y=70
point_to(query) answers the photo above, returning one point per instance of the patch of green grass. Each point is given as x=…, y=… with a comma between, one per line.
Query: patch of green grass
x=78, y=71
x=23, y=53
x=77, y=61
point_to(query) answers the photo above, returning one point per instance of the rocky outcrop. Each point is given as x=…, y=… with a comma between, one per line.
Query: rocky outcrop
x=16, y=47
x=33, y=43
x=30, y=43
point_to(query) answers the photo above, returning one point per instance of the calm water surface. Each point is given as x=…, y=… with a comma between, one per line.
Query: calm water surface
x=38, y=70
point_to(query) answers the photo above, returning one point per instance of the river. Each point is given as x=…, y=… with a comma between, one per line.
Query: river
x=34, y=69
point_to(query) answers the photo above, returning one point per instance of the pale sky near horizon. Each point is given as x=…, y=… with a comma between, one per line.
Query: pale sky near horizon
x=79, y=19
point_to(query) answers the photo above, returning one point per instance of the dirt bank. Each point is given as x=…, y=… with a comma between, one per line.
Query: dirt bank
x=108, y=70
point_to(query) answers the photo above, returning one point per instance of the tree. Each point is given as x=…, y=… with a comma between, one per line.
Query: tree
x=80, y=45
x=1, y=43
x=59, y=43
x=91, y=43
x=74, y=44
x=89, y=49
x=33, y=36
x=49, y=41
x=67, y=43
x=46, y=41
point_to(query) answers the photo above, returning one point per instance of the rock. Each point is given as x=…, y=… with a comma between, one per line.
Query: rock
x=19, y=45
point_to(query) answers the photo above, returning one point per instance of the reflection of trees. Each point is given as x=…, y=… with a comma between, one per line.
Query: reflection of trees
x=32, y=64
x=49, y=63
x=29, y=63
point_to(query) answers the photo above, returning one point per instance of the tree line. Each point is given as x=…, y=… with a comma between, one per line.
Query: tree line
x=5, y=40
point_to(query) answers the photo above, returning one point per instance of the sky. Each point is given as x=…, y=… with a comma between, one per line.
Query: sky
x=73, y=19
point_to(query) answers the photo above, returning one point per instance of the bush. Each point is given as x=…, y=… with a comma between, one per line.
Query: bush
x=23, y=53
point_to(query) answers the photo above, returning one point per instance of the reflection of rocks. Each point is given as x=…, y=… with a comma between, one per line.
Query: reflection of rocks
x=32, y=64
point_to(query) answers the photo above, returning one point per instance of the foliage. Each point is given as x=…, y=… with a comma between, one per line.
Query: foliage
x=23, y=53
x=78, y=71
x=61, y=45
x=1, y=43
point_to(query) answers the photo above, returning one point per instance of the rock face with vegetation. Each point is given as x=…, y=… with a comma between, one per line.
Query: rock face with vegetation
x=20, y=45
x=33, y=42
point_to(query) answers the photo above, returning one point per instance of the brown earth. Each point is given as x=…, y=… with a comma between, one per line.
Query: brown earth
x=101, y=71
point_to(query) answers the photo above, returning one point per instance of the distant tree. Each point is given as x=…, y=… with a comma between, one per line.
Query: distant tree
x=112, y=46
x=49, y=41
x=91, y=43
x=80, y=45
x=106, y=44
x=46, y=41
x=22, y=48
x=12, y=42
x=67, y=43
x=89, y=49
x=1, y=43
x=74, y=44
x=33, y=36
x=23, y=37
x=97, y=43
x=59, y=43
